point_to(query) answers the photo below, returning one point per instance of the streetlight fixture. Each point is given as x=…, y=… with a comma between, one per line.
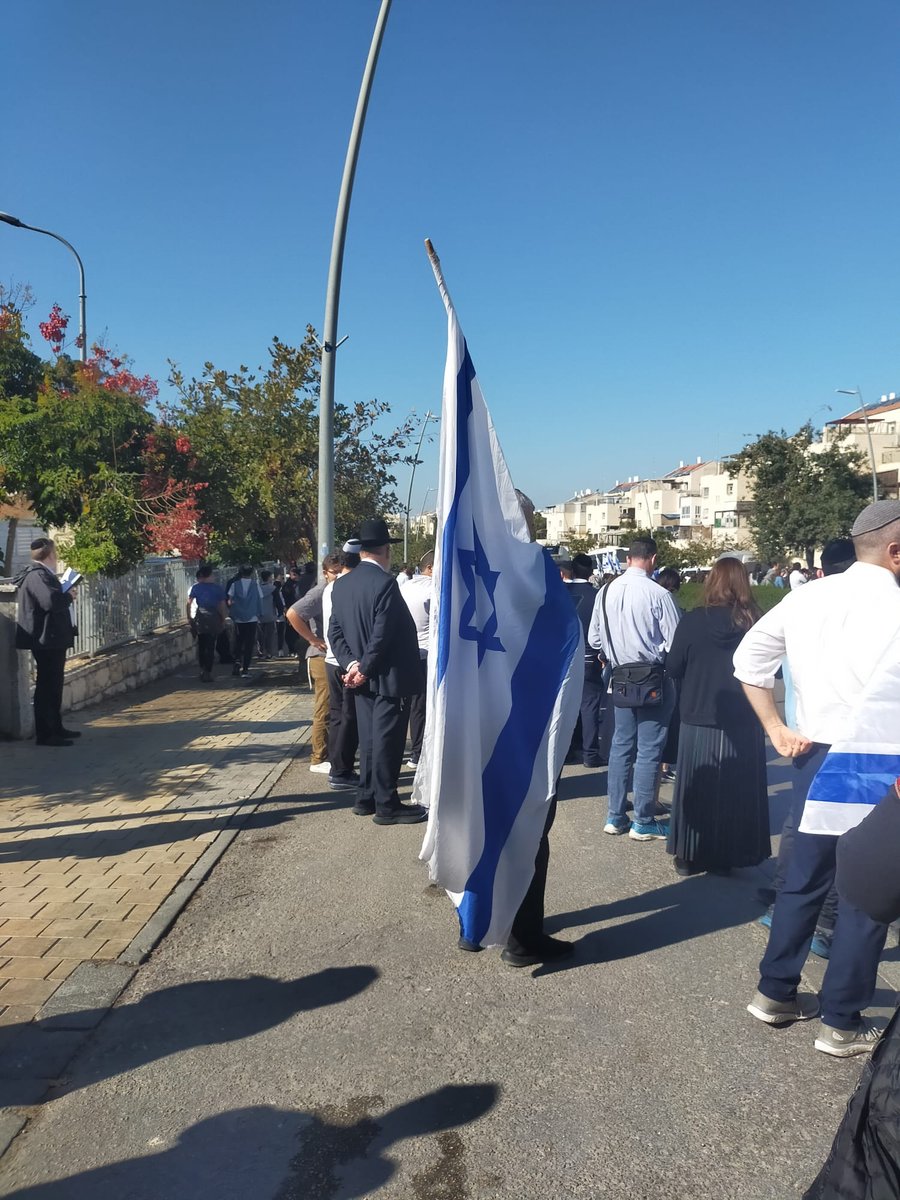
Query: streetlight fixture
x=82, y=298
x=429, y=416
x=865, y=412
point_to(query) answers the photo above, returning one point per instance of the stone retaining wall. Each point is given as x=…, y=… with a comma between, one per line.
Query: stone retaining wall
x=88, y=678
x=127, y=667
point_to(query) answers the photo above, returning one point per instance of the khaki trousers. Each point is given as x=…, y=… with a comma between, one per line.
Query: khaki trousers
x=320, y=708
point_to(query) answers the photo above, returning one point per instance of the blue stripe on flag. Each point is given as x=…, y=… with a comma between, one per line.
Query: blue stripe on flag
x=464, y=378
x=854, y=778
x=507, y=777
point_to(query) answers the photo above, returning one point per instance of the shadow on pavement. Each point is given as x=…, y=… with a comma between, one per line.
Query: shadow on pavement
x=240, y=1155
x=99, y=843
x=206, y=1012
x=677, y=912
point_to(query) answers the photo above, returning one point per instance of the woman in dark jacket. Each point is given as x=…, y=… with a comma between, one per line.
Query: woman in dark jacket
x=720, y=813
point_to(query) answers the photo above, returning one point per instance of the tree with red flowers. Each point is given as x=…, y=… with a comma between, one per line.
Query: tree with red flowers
x=85, y=449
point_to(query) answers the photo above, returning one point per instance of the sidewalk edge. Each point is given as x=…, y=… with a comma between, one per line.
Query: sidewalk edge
x=15, y=1118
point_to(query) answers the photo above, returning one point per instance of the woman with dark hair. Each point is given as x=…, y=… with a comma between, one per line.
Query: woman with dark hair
x=720, y=813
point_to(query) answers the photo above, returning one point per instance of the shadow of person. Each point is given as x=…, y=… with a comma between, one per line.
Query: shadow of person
x=677, y=912
x=202, y=1013
x=109, y=842
x=252, y=1152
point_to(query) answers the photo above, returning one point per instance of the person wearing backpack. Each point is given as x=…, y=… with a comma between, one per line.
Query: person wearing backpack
x=206, y=613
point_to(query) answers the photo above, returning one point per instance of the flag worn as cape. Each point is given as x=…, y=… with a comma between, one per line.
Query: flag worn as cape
x=860, y=768
x=505, y=671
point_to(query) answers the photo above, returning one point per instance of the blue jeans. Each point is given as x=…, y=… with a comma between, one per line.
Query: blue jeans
x=638, y=744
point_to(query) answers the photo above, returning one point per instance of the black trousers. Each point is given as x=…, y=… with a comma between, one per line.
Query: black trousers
x=245, y=640
x=417, y=716
x=206, y=650
x=48, y=692
x=591, y=712
x=343, y=734
x=382, y=735
x=528, y=927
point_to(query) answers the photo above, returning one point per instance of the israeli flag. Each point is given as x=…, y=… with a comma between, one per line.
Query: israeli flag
x=859, y=769
x=505, y=670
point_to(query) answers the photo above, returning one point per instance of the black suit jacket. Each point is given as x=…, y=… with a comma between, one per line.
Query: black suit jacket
x=370, y=624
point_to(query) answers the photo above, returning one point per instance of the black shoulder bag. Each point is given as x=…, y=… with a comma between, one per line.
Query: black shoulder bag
x=633, y=685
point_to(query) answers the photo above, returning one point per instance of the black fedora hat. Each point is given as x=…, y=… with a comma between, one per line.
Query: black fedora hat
x=376, y=533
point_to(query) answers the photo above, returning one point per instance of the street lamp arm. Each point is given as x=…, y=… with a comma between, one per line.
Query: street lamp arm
x=429, y=416
x=82, y=296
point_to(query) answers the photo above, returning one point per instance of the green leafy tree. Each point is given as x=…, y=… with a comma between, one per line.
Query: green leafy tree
x=699, y=553
x=21, y=370
x=417, y=544
x=578, y=543
x=801, y=500
x=76, y=442
x=254, y=445
x=540, y=526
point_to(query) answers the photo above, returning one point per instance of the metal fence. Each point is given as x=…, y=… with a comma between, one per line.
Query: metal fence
x=112, y=611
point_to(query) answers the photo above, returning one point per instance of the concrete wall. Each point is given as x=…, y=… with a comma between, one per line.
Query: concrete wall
x=88, y=678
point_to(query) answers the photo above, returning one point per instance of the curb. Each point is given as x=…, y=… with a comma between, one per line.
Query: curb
x=80, y=1003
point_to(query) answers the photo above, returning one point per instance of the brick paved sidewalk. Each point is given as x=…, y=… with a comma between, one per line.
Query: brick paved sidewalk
x=93, y=838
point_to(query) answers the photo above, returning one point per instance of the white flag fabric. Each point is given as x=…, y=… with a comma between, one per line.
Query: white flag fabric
x=505, y=671
x=860, y=768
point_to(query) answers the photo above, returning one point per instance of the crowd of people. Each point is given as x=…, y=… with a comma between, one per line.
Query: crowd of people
x=688, y=696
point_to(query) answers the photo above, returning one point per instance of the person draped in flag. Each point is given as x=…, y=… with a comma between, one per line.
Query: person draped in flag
x=841, y=639
x=505, y=673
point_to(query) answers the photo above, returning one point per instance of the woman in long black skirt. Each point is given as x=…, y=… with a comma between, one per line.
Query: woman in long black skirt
x=720, y=813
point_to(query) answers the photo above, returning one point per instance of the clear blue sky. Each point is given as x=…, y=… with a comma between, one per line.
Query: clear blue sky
x=665, y=225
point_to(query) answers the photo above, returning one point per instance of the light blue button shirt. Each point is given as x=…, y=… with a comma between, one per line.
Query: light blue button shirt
x=642, y=619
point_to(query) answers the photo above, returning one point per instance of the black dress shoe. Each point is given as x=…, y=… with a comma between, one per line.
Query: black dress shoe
x=549, y=949
x=53, y=741
x=469, y=947
x=685, y=868
x=364, y=808
x=405, y=814
x=72, y=733
x=344, y=783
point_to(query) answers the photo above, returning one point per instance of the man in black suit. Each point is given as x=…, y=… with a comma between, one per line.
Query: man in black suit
x=44, y=625
x=373, y=638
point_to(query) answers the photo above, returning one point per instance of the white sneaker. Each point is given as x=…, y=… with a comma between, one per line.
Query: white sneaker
x=411, y=764
x=321, y=768
x=616, y=830
x=842, y=1043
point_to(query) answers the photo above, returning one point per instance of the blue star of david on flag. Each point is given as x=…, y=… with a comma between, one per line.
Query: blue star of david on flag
x=475, y=568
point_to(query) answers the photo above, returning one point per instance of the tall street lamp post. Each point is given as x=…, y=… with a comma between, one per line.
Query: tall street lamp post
x=82, y=298
x=865, y=412
x=429, y=416
x=330, y=341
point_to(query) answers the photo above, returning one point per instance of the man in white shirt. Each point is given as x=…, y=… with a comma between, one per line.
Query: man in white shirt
x=796, y=578
x=417, y=594
x=637, y=626
x=833, y=635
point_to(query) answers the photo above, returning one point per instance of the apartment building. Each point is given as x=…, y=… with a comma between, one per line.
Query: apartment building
x=699, y=500
x=883, y=421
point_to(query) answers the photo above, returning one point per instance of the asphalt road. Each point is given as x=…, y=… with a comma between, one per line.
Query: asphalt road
x=309, y=1031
